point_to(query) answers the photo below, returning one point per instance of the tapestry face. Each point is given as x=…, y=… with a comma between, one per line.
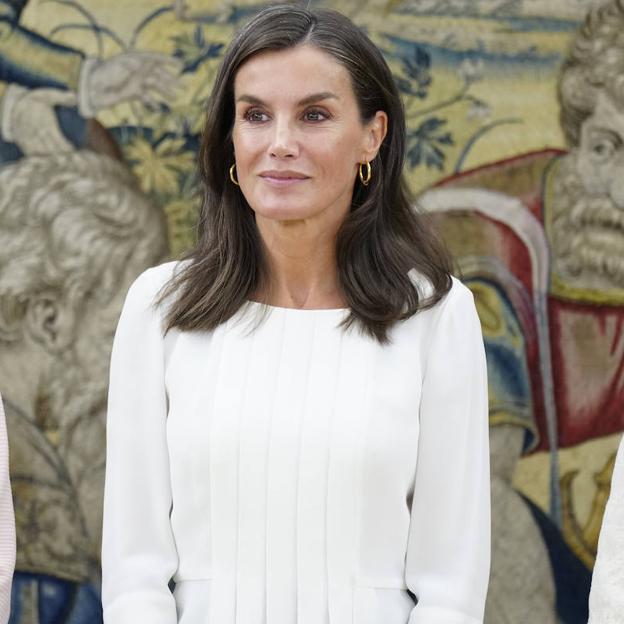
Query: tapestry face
x=515, y=146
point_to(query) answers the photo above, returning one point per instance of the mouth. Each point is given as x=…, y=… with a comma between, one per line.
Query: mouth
x=598, y=215
x=283, y=178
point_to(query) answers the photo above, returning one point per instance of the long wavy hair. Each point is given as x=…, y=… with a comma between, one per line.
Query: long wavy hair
x=382, y=239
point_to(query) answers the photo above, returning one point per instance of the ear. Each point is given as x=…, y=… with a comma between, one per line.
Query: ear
x=50, y=322
x=375, y=132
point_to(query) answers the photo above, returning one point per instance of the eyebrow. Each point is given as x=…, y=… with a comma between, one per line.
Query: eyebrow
x=612, y=134
x=310, y=99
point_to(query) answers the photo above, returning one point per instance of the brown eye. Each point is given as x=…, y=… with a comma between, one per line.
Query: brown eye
x=315, y=115
x=256, y=116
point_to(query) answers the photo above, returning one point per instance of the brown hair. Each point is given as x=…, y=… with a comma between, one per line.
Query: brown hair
x=595, y=63
x=380, y=241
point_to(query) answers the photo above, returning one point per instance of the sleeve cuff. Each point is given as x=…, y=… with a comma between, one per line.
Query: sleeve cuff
x=85, y=106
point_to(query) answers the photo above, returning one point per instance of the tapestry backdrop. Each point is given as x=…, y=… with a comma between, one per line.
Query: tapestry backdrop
x=515, y=146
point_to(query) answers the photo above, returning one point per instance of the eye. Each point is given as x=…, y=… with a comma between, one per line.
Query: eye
x=316, y=114
x=603, y=150
x=255, y=115
x=603, y=145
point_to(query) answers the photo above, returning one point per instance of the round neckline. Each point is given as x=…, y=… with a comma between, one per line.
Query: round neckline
x=296, y=310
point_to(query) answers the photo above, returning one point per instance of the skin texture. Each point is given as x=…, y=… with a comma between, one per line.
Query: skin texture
x=296, y=116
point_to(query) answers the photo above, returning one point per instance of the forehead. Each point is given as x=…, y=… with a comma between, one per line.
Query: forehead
x=292, y=71
x=607, y=115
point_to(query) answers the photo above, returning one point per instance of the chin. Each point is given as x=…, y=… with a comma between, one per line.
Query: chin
x=282, y=211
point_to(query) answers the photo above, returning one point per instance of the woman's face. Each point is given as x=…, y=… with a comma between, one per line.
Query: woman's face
x=298, y=137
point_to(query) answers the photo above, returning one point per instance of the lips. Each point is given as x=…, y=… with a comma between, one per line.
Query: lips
x=285, y=179
x=283, y=175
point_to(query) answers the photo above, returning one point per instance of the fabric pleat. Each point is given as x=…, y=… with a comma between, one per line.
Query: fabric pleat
x=349, y=418
x=264, y=359
x=282, y=473
x=313, y=474
x=191, y=437
x=224, y=453
x=289, y=471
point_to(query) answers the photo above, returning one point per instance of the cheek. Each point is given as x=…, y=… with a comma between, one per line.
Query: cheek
x=616, y=190
x=338, y=159
x=592, y=171
x=246, y=146
x=603, y=176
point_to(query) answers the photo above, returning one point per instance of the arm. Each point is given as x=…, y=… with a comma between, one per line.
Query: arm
x=7, y=525
x=606, y=599
x=139, y=556
x=448, y=557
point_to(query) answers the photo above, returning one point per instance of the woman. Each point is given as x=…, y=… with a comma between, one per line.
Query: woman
x=297, y=429
x=606, y=599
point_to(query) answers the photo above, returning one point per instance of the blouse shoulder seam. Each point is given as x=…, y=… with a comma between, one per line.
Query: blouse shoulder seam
x=452, y=295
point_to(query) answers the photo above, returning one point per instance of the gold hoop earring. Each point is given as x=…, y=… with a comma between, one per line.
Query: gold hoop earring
x=234, y=180
x=365, y=178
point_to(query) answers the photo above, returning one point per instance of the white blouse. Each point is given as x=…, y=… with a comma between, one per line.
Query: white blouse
x=606, y=599
x=289, y=472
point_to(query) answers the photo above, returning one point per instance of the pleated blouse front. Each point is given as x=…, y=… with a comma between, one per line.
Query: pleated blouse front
x=288, y=472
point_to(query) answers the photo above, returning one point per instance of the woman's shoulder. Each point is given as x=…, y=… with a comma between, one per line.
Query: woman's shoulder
x=147, y=299
x=151, y=281
x=458, y=292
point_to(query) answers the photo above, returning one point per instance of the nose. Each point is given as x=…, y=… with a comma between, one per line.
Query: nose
x=284, y=142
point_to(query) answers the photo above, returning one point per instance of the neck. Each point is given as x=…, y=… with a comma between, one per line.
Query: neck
x=302, y=265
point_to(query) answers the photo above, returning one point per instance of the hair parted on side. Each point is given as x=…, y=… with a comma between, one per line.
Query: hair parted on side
x=382, y=239
x=595, y=63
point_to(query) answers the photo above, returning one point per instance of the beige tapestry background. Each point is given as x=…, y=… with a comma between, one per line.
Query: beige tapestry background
x=100, y=109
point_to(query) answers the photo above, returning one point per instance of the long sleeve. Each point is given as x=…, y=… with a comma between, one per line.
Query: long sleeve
x=606, y=599
x=448, y=557
x=7, y=525
x=139, y=556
